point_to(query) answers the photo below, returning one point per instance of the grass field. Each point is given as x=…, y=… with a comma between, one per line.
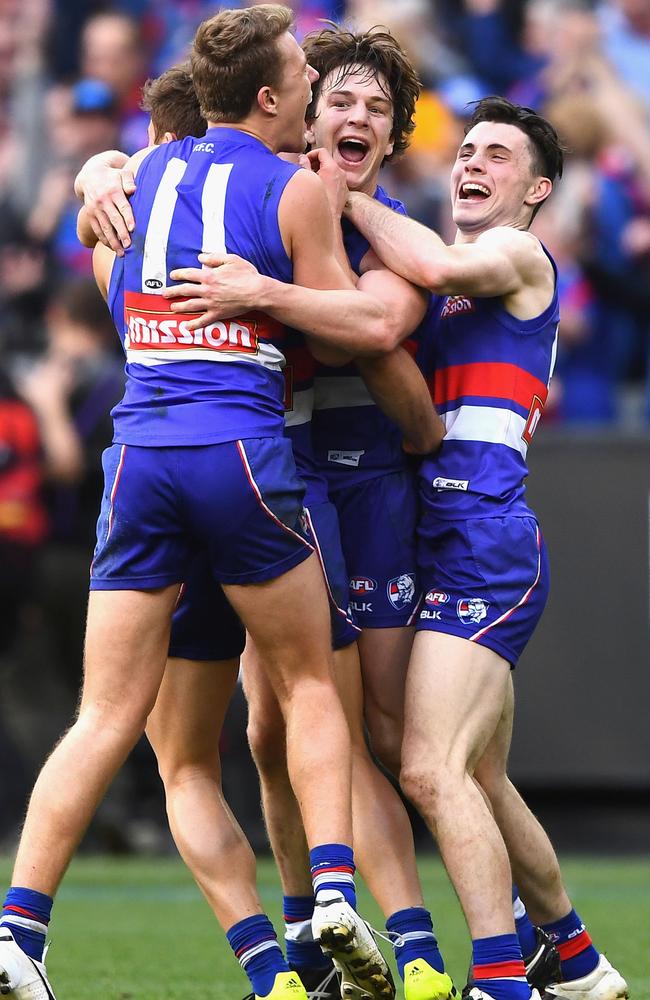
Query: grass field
x=138, y=930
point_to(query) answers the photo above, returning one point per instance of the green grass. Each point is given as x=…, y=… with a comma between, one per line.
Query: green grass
x=139, y=930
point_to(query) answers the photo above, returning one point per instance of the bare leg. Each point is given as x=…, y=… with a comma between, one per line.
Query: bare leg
x=385, y=656
x=383, y=838
x=127, y=636
x=535, y=867
x=268, y=742
x=455, y=694
x=288, y=620
x=184, y=729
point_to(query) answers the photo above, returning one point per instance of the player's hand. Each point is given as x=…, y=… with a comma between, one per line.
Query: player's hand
x=105, y=190
x=226, y=286
x=336, y=186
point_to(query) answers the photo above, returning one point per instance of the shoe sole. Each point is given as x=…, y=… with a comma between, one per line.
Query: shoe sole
x=372, y=983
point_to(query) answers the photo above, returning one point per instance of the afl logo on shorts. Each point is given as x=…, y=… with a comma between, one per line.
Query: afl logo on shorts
x=472, y=610
x=362, y=585
x=401, y=590
x=437, y=597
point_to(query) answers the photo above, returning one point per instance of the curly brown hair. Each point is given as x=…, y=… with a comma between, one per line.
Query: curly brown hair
x=171, y=101
x=235, y=54
x=336, y=49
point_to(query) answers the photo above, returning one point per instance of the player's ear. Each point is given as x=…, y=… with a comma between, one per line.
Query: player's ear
x=539, y=191
x=170, y=137
x=267, y=101
x=309, y=133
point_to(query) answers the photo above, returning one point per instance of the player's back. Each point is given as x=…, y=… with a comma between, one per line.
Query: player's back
x=219, y=193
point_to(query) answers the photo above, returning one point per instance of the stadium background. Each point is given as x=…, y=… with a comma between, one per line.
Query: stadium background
x=70, y=75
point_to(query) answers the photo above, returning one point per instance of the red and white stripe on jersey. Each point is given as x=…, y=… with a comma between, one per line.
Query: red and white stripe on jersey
x=492, y=402
x=154, y=335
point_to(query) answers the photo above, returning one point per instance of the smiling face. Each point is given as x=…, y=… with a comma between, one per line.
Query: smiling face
x=293, y=94
x=354, y=122
x=494, y=181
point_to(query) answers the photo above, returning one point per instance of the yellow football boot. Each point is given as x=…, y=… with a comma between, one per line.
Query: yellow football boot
x=422, y=982
x=287, y=986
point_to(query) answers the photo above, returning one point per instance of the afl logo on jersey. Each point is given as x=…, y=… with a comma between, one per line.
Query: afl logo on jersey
x=401, y=590
x=472, y=610
x=153, y=283
x=362, y=585
x=455, y=305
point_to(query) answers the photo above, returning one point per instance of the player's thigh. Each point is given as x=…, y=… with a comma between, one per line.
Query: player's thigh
x=185, y=724
x=455, y=696
x=127, y=636
x=288, y=620
x=385, y=655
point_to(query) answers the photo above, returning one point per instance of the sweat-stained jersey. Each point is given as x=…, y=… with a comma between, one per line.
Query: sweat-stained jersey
x=224, y=382
x=489, y=374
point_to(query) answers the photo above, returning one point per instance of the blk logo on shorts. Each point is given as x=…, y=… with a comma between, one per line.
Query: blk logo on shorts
x=472, y=610
x=401, y=590
x=362, y=585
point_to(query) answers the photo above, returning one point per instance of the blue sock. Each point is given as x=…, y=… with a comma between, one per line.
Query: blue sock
x=416, y=940
x=27, y=913
x=525, y=929
x=578, y=957
x=302, y=950
x=256, y=948
x=499, y=968
x=332, y=867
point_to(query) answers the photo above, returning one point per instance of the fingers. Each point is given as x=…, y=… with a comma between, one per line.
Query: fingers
x=195, y=305
x=193, y=274
x=106, y=232
x=216, y=259
x=186, y=291
x=128, y=186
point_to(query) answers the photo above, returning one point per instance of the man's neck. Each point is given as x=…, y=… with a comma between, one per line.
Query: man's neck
x=248, y=128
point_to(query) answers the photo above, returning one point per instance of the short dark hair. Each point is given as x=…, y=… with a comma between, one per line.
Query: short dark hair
x=171, y=101
x=235, y=54
x=336, y=49
x=546, y=147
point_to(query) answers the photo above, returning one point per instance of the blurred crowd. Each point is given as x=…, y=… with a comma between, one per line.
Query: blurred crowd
x=71, y=73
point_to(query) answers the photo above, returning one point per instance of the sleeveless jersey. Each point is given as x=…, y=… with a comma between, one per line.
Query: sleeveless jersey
x=219, y=193
x=353, y=439
x=489, y=374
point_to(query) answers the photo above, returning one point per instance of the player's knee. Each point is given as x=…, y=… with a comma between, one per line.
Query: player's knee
x=113, y=720
x=427, y=783
x=267, y=741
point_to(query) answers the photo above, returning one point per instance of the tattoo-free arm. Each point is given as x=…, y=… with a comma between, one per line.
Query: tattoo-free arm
x=499, y=263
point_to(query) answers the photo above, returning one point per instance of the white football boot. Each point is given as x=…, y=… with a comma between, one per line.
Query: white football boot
x=602, y=983
x=347, y=939
x=21, y=977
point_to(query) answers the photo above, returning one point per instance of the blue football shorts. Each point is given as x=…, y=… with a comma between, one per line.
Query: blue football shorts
x=203, y=629
x=483, y=579
x=240, y=502
x=378, y=523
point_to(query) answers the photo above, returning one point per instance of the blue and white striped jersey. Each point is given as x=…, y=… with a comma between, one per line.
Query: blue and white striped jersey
x=222, y=382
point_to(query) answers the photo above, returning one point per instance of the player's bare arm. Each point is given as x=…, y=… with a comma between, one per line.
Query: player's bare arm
x=323, y=301
x=104, y=184
x=503, y=261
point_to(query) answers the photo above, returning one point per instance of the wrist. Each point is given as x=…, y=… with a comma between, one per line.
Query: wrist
x=269, y=294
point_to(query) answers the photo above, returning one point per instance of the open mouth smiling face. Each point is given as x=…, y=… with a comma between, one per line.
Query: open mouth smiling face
x=354, y=121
